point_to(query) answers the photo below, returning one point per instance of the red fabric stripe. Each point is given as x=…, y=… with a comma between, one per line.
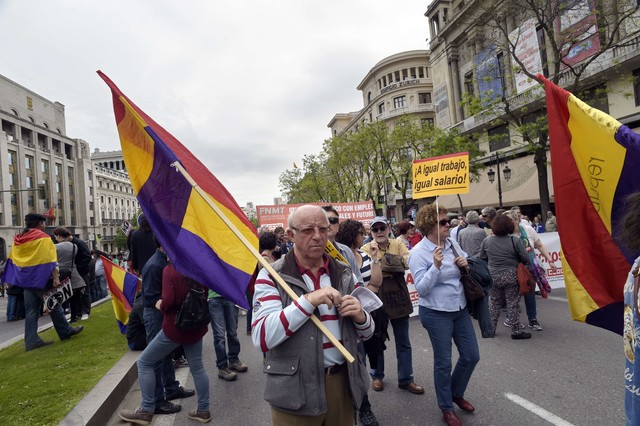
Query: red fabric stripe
x=285, y=324
x=266, y=282
x=295, y=302
x=263, y=336
x=328, y=345
x=267, y=298
x=329, y=317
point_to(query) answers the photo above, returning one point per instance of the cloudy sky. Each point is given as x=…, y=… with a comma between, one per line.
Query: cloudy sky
x=247, y=86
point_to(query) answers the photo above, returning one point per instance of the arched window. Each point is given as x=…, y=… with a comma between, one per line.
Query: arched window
x=15, y=112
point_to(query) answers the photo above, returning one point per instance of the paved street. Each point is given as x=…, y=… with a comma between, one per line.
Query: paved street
x=570, y=373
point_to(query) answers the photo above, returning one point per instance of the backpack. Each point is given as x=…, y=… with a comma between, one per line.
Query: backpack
x=194, y=312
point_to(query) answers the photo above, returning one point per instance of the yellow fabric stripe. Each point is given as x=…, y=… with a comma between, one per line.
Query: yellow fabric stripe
x=32, y=254
x=120, y=312
x=598, y=156
x=137, y=146
x=580, y=303
x=201, y=220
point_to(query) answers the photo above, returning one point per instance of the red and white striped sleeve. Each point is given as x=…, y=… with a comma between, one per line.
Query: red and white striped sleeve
x=273, y=324
x=365, y=331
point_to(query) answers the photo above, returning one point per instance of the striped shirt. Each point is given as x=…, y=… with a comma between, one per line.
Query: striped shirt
x=273, y=323
x=365, y=269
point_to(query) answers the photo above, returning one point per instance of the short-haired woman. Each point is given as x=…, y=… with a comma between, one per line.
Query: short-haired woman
x=442, y=307
x=503, y=253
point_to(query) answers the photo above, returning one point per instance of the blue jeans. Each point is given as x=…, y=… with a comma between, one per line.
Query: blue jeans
x=33, y=302
x=530, y=305
x=101, y=282
x=403, y=353
x=165, y=382
x=443, y=327
x=224, y=320
x=12, y=307
x=159, y=348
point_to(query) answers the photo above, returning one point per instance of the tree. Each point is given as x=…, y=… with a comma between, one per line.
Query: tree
x=578, y=39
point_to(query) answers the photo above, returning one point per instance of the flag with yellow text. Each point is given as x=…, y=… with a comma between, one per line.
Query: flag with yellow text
x=596, y=164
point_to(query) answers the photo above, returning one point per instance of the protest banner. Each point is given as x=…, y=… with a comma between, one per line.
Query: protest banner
x=447, y=174
x=278, y=215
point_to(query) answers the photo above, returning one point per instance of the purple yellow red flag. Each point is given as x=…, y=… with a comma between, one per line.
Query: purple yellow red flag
x=595, y=162
x=123, y=287
x=198, y=241
x=32, y=259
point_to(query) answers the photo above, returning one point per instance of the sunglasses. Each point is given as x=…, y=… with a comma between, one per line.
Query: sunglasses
x=334, y=220
x=379, y=229
x=443, y=222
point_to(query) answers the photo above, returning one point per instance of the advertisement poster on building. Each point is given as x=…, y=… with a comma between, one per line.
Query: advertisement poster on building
x=527, y=50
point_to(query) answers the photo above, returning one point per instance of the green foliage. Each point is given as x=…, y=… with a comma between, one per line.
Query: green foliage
x=367, y=163
x=120, y=240
x=42, y=386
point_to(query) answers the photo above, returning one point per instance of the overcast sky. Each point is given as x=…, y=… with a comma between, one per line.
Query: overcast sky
x=247, y=86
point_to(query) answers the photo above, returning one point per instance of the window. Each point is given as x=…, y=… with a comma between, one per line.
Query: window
x=399, y=102
x=381, y=108
x=28, y=162
x=89, y=175
x=90, y=205
x=29, y=182
x=468, y=84
x=91, y=190
x=102, y=199
x=499, y=138
x=424, y=98
x=427, y=122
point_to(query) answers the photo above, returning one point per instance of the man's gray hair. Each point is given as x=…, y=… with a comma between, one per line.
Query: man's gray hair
x=489, y=211
x=472, y=217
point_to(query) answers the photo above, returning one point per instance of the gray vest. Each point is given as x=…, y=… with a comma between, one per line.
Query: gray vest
x=295, y=368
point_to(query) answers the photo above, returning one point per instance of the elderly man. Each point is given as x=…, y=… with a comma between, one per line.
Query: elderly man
x=308, y=379
x=488, y=214
x=471, y=237
x=399, y=319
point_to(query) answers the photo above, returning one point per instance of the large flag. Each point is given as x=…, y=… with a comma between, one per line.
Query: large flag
x=199, y=243
x=32, y=259
x=596, y=165
x=123, y=287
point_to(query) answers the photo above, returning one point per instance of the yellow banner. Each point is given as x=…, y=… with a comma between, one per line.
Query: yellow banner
x=447, y=174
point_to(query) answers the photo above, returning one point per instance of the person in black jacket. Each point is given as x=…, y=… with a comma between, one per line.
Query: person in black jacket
x=136, y=333
x=141, y=245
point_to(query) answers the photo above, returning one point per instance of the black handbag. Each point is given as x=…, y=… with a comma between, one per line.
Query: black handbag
x=472, y=289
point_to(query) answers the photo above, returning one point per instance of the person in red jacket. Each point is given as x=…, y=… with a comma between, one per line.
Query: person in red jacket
x=175, y=288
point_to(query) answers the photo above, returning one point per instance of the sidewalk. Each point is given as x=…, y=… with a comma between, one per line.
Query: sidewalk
x=105, y=397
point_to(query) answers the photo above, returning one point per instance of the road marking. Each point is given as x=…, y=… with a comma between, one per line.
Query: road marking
x=537, y=410
x=559, y=299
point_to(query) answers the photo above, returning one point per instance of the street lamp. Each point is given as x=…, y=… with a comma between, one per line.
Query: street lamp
x=492, y=175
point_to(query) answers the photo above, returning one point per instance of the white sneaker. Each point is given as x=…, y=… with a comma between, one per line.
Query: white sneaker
x=85, y=317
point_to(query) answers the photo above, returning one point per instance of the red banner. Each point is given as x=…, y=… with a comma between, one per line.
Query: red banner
x=278, y=215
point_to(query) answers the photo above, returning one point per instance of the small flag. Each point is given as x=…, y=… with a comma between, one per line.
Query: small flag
x=595, y=161
x=123, y=287
x=32, y=259
x=200, y=244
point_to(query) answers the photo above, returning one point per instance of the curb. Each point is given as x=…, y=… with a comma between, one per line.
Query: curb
x=105, y=397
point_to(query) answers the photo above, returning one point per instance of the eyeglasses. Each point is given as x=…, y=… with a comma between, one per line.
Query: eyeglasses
x=379, y=229
x=312, y=230
x=333, y=220
x=485, y=215
x=444, y=222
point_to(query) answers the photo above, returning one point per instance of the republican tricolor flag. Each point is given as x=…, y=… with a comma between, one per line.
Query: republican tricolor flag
x=596, y=164
x=32, y=259
x=123, y=288
x=199, y=242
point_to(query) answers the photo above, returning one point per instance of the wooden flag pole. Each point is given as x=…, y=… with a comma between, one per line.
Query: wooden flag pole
x=261, y=260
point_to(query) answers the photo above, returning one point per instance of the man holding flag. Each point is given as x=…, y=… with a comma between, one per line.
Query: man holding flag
x=32, y=262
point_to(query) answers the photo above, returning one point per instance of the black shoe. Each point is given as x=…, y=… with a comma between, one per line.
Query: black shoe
x=367, y=418
x=521, y=335
x=39, y=345
x=74, y=331
x=166, y=407
x=181, y=393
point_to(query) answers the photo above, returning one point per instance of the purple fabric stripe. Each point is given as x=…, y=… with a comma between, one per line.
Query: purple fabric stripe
x=123, y=328
x=129, y=288
x=33, y=277
x=164, y=198
x=628, y=184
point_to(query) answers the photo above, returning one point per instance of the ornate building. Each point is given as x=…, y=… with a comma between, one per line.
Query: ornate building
x=40, y=166
x=114, y=196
